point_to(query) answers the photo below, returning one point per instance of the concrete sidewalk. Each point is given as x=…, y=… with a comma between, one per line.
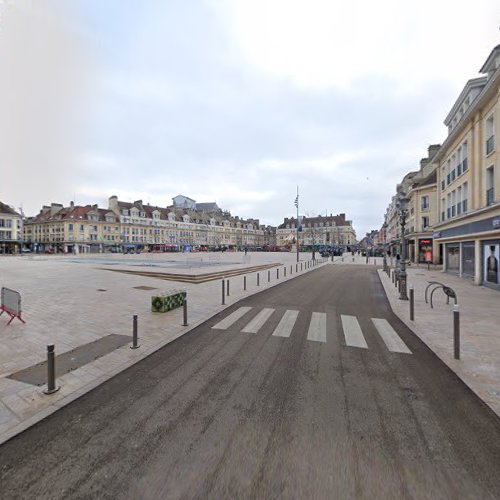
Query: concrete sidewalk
x=479, y=363
x=71, y=301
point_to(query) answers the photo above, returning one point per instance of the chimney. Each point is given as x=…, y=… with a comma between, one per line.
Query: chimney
x=423, y=163
x=432, y=150
x=72, y=205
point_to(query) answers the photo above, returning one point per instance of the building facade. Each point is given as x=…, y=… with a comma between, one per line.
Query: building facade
x=468, y=180
x=11, y=230
x=125, y=226
x=333, y=230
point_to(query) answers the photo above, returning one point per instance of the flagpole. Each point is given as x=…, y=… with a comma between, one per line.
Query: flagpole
x=297, y=239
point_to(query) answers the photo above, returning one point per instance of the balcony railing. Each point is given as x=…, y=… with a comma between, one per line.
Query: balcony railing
x=490, y=145
x=490, y=196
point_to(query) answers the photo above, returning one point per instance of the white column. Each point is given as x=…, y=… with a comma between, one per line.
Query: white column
x=478, y=263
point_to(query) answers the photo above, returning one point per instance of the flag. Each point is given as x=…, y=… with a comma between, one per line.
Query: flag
x=296, y=202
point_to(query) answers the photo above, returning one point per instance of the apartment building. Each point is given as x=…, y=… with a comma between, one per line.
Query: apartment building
x=317, y=231
x=11, y=230
x=126, y=225
x=468, y=180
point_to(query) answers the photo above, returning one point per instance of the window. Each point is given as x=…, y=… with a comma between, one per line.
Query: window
x=465, y=165
x=490, y=135
x=464, y=196
x=490, y=183
x=425, y=223
x=424, y=202
x=70, y=227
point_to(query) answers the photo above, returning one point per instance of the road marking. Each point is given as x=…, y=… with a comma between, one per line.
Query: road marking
x=232, y=318
x=352, y=332
x=390, y=337
x=317, y=327
x=256, y=324
x=285, y=327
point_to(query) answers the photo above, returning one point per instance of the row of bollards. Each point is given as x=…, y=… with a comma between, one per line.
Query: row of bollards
x=51, y=357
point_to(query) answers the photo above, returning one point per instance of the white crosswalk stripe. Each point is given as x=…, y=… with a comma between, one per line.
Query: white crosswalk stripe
x=256, y=324
x=286, y=324
x=352, y=332
x=231, y=319
x=317, y=327
x=389, y=336
x=317, y=332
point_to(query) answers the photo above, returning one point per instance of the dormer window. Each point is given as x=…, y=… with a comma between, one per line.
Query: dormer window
x=143, y=214
x=124, y=211
x=171, y=216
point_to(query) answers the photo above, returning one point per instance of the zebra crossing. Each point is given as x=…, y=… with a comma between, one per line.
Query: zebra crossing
x=317, y=330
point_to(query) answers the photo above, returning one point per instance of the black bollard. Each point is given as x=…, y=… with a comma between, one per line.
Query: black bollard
x=223, y=292
x=456, y=331
x=268, y=276
x=135, y=335
x=244, y=283
x=258, y=279
x=51, y=371
x=185, y=311
x=277, y=274
x=284, y=272
x=227, y=283
x=412, y=303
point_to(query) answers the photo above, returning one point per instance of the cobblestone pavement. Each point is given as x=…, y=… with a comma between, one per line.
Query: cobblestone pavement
x=69, y=301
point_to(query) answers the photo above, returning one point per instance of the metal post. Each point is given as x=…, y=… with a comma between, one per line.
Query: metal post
x=291, y=270
x=277, y=274
x=135, y=335
x=301, y=266
x=268, y=276
x=284, y=272
x=244, y=283
x=227, y=283
x=223, y=292
x=51, y=371
x=258, y=279
x=296, y=268
x=456, y=331
x=412, y=303
x=185, y=311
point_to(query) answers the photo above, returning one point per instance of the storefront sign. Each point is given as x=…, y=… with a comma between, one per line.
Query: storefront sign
x=437, y=235
x=496, y=222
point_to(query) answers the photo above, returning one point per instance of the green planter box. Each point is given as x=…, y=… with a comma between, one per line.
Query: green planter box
x=167, y=301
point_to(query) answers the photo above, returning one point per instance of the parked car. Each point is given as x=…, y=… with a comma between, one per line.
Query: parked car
x=25, y=250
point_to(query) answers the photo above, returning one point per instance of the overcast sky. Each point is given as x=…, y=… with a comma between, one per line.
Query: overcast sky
x=233, y=101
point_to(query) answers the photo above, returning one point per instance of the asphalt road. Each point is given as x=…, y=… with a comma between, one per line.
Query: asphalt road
x=224, y=413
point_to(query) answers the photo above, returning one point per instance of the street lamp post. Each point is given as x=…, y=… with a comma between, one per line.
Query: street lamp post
x=384, y=229
x=298, y=223
x=403, y=214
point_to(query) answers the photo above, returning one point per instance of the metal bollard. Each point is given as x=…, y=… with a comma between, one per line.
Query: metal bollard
x=227, y=283
x=244, y=283
x=185, y=311
x=296, y=268
x=456, y=331
x=301, y=266
x=284, y=272
x=277, y=274
x=392, y=276
x=223, y=292
x=268, y=276
x=412, y=303
x=258, y=279
x=135, y=335
x=291, y=269
x=51, y=371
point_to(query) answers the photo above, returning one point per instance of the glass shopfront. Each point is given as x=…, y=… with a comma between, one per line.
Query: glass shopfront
x=425, y=250
x=453, y=258
x=468, y=255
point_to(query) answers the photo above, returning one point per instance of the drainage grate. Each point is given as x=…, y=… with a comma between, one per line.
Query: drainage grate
x=144, y=287
x=71, y=360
